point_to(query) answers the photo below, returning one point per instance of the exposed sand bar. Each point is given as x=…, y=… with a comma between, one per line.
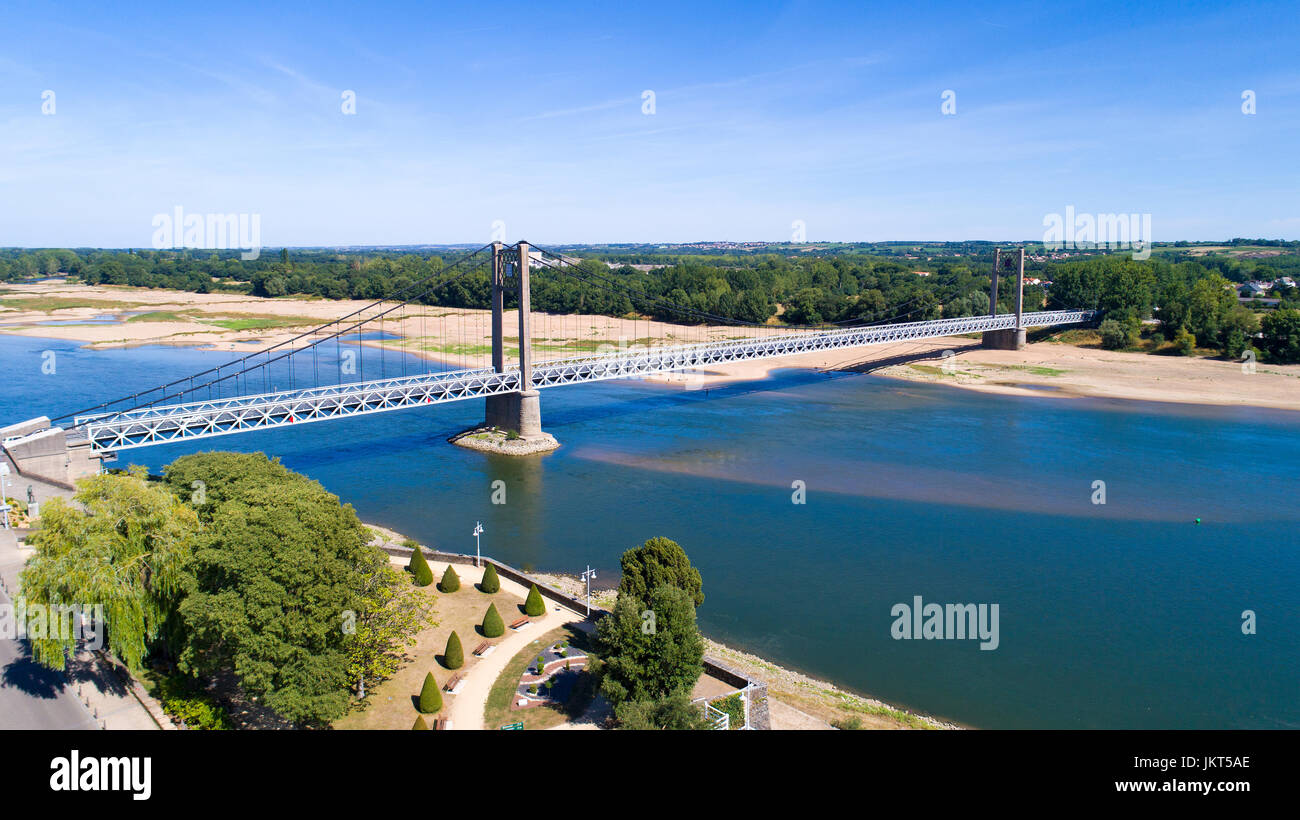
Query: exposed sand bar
x=462, y=338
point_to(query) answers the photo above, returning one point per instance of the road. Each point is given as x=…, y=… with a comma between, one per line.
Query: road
x=32, y=696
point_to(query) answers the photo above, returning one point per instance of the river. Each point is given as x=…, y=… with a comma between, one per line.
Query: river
x=1126, y=614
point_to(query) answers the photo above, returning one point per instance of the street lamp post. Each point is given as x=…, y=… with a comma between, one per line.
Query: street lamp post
x=478, y=530
x=587, y=576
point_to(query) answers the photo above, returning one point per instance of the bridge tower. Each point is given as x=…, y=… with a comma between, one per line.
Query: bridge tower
x=1012, y=338
x=513, y=413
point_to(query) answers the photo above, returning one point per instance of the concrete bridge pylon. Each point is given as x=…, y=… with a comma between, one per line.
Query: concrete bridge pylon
x=512, y=422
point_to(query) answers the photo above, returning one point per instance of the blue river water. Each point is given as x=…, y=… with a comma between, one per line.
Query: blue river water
x=1126, y=614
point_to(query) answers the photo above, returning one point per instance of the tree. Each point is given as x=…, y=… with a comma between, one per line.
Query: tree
x=418, y=566
x=450, y=580
x=126, y=546
x=1184, y=342
x=430, y=695
x=673, y=712
x=650, y=649
x=493, y=626
x=1115, y=334
x=453, y=657
x=420, y=725
x=1281, y=339
x=277, y=565
x=490, y=584
x=388, y=618
x=657, y=562
x=534, y=606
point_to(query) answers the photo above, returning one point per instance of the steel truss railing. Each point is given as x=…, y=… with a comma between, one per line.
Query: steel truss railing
x=194, y=420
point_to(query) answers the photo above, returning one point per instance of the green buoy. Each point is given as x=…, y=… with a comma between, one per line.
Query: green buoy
x=1198, y=521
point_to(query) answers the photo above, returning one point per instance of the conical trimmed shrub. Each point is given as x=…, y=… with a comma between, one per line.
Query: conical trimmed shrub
x=490, y=584
x=430, y=695
x=453, y=657
x=450, y=580
x=420, y=724
x=419, y=567
x=534, y=606
x=493, y=626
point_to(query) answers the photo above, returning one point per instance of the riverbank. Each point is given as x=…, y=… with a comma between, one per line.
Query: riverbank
x=796, y=700
x=117, y=317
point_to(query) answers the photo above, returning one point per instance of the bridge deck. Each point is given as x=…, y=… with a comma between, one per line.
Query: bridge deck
x=193, y=420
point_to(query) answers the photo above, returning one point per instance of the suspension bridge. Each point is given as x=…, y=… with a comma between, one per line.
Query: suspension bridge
x=320, y=375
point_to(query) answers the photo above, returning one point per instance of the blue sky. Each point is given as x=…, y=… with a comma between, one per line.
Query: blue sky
x=765, y=113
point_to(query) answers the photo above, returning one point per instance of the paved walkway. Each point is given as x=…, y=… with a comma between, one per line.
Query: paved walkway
x=465, y=710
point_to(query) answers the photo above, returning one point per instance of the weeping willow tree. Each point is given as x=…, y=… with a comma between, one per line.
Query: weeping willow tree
x=123, y=546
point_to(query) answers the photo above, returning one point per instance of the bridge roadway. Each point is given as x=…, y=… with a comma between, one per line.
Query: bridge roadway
x=205, y=419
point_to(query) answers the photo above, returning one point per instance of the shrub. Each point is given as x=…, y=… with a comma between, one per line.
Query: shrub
x=430, y=695
x=541, y=664
x=1184, y=342
x=420, y=724
x=1115, y=334
x=493, y=626
x=450, y=580
x=734, y=707
x=534, y=606
x=490, y=584
x=453, y=657
x=419, y=567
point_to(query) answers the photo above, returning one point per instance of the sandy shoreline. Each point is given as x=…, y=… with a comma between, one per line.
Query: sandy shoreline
x=460, y=338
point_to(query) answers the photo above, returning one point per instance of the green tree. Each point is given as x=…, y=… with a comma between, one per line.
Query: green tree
x=430, y=695
x=493, y=626
x=673, y=712
x=453, y=657
x=650, y=649
x=420, y=725
x=1281, y=335
x=490, y=584
x=418, y=566
x=450, y=580
x=1184, y=342
x=534, y=606
x=125, y=545
x=657, y=562
x=1115, y=334
x=389, y=616
x=277, y=565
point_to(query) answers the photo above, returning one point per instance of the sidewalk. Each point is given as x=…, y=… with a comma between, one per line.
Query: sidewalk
x=465, y=710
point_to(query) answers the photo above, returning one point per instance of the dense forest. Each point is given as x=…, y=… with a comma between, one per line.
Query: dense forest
x=1188, y=290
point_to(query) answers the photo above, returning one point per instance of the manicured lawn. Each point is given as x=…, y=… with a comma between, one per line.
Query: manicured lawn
x=391, y=705
x=498, y=713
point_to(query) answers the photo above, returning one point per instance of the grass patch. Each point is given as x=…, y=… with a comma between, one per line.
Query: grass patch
x=49, y=304
x=257, y=321
x=928, y=369
x=160, y=316
x=497, y=711
x=1037, y=370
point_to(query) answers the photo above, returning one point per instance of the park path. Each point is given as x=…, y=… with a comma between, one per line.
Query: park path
x=465, y=710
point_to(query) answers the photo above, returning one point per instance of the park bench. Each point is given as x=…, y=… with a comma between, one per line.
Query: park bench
x=453, y=683
x=484, y=649
x=520, y=624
